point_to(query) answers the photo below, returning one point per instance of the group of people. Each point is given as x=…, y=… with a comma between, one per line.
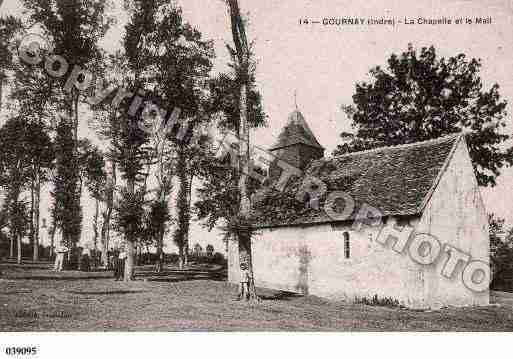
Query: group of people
x=116, y=261
x=82, y=261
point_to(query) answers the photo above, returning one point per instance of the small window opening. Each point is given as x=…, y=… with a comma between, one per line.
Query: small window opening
x=347, y=247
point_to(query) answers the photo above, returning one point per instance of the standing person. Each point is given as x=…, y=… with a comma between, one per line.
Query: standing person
x=116, y=265
x=122, y=259
x=80, y=252
x=244, y=282
x=86, y=260
x=111, y=261
x=61, y=250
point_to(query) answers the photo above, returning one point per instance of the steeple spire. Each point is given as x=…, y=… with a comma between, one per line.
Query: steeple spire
x=296, y=143
x=296, y=131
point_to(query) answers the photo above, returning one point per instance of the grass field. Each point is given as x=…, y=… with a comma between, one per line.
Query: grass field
x=33, y=298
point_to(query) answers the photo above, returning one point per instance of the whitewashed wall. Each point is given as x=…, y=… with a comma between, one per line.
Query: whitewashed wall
x=311, y=260
x=456, y=216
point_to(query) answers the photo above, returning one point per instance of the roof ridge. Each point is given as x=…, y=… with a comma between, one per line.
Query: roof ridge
x=436, y=181
x=403, y=145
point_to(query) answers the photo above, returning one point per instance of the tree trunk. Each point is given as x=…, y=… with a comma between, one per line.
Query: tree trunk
x=183, y=206
x=2, y=76
x=95, y=232
x=18, y=242
x=74, y=109
x=181, y=257
x=186, y=249
x=130, y=243
x=11, y=248
x=186, y=252
x=105, y=238
x=245, y=204
x=37, y=200
x=31, y=223
x=160, y=253
x=186, y=237
x=138, y=254
x=129, y=264
x=95, y=223
x=242, y=48
x=105, y=231
x=52, y=242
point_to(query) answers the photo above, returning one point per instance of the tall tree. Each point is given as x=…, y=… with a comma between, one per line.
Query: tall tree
x=159, y=216
x=133, y=151
x=242, y=224
x=106, y=122
x=183, y=209
x=420, y=96
x=219, y=194
x=31, y=96
x=41, y=152
x=174, y=60
x=66, y=185
x=131, y=155
x=96, y=181
x=75, y=28
x=15, y=167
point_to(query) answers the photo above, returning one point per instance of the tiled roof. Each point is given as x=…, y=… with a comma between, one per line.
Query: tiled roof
x=395, y=180
x=296, y=131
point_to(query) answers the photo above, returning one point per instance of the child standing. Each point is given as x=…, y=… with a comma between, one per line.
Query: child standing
x=61, y=250
x=244, y=282
x=121, y=263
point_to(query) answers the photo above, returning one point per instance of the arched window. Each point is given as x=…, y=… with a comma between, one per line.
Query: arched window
x=347, y=246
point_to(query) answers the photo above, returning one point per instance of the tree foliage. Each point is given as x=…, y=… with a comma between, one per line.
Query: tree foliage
x=174, y=63
x=94, y=172
x=501, y=252
x=9, y=27
x=21, y=143
x=73, y=29
x=421, y=96
x=157, y=221
x=219, y=193
x=129, y=215
x=66, y=191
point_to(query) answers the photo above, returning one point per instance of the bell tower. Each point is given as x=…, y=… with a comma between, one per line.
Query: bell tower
x=296, y=145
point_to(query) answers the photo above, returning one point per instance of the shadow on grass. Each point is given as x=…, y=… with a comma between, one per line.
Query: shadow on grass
x=282, y=295
x=43, y=278
x=177, y=275
x=107, y=292
x=184, y=277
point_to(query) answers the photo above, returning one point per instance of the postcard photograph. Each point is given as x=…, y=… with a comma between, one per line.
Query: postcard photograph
x=255, y=166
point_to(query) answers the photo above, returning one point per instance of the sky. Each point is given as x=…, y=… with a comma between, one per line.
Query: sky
x=323, y=63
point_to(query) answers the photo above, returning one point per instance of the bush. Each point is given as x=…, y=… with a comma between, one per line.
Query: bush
x=378, y=302
x=218, y=258
x=171, y=258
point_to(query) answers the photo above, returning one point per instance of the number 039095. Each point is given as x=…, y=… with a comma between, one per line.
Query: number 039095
x=17, y=351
